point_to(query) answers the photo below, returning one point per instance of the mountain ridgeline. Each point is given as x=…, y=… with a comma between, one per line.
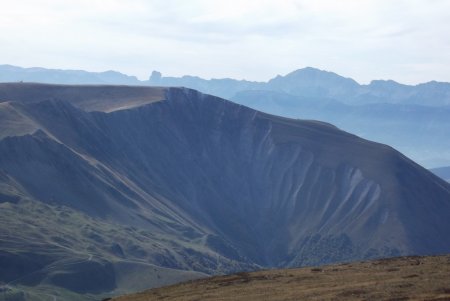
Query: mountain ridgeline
x=306, y=82
x=384, y=110
x=110, y=184
x=314, y=83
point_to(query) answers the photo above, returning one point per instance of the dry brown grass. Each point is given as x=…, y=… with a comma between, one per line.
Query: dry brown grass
x=397, y=279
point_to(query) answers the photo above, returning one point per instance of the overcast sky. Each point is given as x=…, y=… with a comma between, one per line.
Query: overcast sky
x=408, y=41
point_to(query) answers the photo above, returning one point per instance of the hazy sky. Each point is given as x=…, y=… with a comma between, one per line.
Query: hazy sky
x=408, y=41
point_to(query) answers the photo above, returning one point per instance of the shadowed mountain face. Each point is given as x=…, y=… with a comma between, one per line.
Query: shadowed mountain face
x=383, y=111
x=134, y=181
x=418, y=131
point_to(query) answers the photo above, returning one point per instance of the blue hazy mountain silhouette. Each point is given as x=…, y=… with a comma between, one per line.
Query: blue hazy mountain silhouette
x=411, y=118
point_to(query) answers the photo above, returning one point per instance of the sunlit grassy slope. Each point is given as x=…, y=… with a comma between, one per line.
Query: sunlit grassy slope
x=404, y=278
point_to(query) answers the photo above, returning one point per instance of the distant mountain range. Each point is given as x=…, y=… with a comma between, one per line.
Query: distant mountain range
x=314, y=83
x=106, y=190
x=443, y=172
x=10, y=73
x=413, y=119
x=308, y=82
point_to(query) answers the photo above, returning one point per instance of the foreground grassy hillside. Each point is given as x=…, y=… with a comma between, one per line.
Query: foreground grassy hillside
x=403, y=278
x=51, y=251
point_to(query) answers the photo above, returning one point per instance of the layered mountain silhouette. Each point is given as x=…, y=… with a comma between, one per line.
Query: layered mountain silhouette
x=306, y=82
x=112, y=189
x=418, y=131
x=9, y=73
x=315, y=83
x=443, y=172
x=413, y=119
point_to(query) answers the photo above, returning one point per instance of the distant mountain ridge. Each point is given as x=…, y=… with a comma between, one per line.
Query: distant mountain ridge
x=443, y=172
x=306, y=82
x=9, y=73
x=314, y=83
